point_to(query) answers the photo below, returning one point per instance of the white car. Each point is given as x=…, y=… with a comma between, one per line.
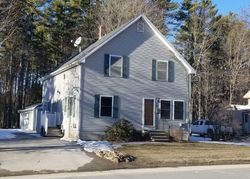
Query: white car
x=203, y=127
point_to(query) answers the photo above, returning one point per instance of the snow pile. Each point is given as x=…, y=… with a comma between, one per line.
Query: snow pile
x=104, y=149
x=8, y=133
x=95, y=146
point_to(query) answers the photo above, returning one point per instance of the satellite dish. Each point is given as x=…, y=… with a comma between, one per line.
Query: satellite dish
x=78, y=41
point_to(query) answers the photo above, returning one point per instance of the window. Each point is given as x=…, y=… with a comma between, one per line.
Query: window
x=196, y=123
x=178, y=110
x=140, y=27
x=54, y=107
x=201, y=123
x=162, y=70
x=106, y=106
x=115, y=63
x=208, y=123
x=165, y=109
x=70, y=105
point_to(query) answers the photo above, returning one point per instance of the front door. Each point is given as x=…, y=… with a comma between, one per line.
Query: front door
x=148, y=112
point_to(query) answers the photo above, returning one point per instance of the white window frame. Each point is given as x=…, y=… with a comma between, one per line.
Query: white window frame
x=170, y=108
x=183, y=110
x=100, y=105
x=157, y=70
x=110, y=56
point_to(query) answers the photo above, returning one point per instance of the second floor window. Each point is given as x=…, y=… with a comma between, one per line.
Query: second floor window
x=161, y=70
x=115, y=63
x=116, y=66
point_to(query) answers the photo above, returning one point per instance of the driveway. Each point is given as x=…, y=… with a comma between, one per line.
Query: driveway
x=26, y=152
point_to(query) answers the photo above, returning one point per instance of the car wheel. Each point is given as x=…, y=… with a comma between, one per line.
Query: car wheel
x=210, y=133
x=42, y=133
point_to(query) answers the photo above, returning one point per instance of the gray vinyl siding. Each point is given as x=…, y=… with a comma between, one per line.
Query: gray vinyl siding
x=141, y=48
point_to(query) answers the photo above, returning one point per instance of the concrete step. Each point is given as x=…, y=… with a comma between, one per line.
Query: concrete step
x=54, y=132
x=159, y=136
x=160, y=140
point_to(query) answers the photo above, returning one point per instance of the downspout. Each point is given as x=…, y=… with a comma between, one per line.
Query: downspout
x=190, y=110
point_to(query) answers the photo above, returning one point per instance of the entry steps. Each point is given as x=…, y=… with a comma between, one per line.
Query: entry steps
x=54, y=132
x=159, y=136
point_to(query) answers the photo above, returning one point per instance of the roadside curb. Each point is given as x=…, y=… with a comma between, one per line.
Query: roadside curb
x=130, y=171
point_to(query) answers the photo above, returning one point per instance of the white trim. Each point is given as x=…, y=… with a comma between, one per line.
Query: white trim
x=170, y=108
x=110, y=64
x=100, y=102
x=156, y=76
x=143, y=110
x=184, y=112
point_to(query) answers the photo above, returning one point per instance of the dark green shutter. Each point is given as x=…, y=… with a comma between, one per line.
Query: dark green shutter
x=154, y=70
x=125, y=70
x=171, y=71
x=116, y=107
x=106, y=64
x=96, y=107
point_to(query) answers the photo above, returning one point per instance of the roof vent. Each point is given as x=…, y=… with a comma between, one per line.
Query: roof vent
x=140, y=27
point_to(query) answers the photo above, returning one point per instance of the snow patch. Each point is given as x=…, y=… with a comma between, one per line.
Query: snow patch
x=228, y=143
x=198, y=139
x=67, y=139
x=96, y=146
x=8, y=133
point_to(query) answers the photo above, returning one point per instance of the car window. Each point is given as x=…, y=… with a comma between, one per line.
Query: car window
x=201, y=123
x=207, y=123
x=196, y=123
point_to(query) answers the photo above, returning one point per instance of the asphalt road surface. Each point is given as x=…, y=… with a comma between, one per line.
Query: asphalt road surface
x=199, y=172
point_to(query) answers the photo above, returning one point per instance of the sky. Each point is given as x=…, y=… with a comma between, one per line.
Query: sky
x=225, y=6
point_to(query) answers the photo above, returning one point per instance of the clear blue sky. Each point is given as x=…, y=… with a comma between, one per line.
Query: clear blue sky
x=225, y=6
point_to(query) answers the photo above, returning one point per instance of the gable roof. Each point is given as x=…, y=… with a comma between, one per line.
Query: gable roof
x=247, y=95
x=81, y=57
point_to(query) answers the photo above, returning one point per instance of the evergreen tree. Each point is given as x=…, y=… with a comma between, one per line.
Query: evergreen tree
x=197, y=37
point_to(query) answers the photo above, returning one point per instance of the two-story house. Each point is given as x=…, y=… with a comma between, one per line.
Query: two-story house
x=132, y=73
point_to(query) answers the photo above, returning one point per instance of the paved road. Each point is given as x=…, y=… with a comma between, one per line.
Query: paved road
x=201, y=172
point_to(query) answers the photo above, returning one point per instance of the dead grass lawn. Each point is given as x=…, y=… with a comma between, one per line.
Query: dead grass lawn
x=183, y=154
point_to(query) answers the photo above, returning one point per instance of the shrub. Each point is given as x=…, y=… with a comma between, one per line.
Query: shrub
x=121, y=130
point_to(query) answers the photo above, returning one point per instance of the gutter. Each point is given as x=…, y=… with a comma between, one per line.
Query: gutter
x=63, y=69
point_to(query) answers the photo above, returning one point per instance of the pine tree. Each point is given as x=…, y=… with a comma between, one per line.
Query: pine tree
x=197, y=37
